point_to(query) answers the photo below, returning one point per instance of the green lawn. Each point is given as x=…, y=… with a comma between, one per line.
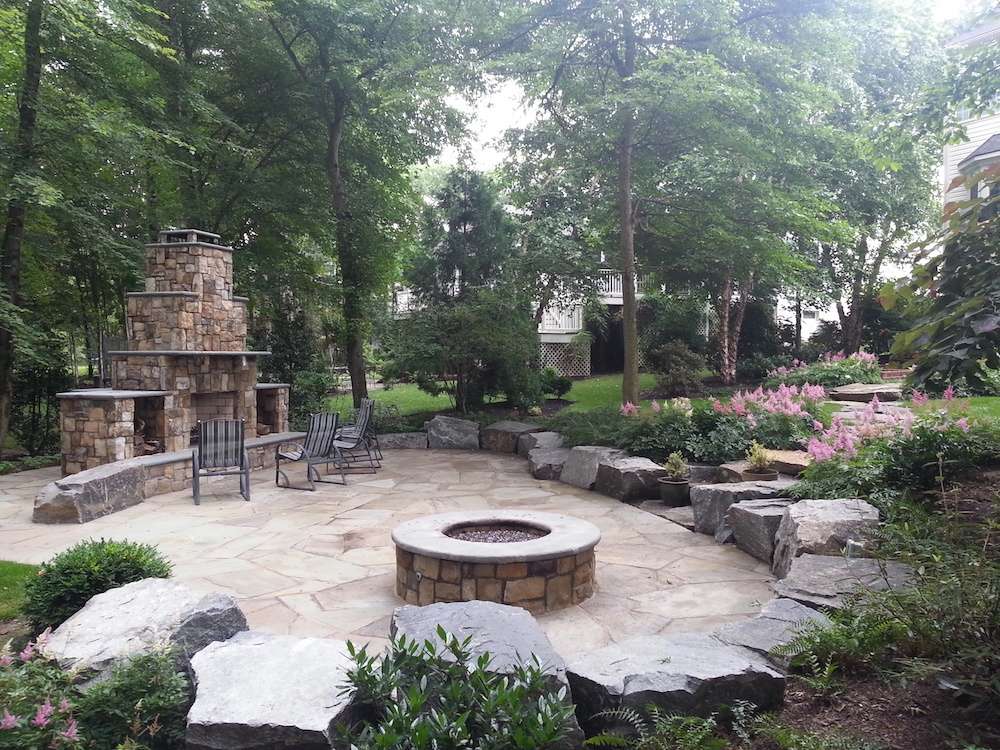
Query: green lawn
x=604, y=390
x=12, y=578
x=982, y=407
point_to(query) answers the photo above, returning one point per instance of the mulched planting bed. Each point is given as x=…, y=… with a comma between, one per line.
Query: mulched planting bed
x=497, y=534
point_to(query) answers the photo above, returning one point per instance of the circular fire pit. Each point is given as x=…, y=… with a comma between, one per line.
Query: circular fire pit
x=539, y=561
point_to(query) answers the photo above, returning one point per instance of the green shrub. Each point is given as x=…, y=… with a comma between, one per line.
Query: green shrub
x=67, y=581
x=719, y=438
x=650, y=435
x=144, y=700
x=420, y=696
x=658, y=730
x=830, y=372
x=36, y=703
x=678, y=369
x=554, y=383
x=309, y=393
x=34, y=415
x=759, y=366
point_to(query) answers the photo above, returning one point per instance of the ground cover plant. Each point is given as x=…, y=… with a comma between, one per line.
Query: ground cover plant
x=830, y=371
x=63, y=584
x=438, y=695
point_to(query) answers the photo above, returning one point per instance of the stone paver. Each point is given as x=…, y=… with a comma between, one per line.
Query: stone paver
x=322, y=563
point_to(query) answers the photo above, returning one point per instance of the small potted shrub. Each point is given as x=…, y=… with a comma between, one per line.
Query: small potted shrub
x=758, y=465
x=675, y=486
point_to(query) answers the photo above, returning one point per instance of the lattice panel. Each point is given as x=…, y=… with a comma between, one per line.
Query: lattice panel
x=564, y=360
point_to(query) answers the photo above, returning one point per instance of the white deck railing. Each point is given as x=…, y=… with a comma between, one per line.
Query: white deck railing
x=568, y=320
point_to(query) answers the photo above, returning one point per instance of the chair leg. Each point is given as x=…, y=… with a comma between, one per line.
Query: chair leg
x=277, y=470
x=196, y=478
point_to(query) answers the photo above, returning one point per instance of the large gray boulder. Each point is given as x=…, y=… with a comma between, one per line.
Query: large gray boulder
x=531, y=440
x=91, y=494
x=821, y=527
x=258, y=690
x=754, y=523
x=711, y=501
x=580, y=469
x=790, y=463
x=452, y=433
x=630, y=479
x=777, y=625
x=547, y=463
x=502, y=437
x=825, y=580
x=138, y=618
x=510, y=635
x=401, y=440
x=687, y=673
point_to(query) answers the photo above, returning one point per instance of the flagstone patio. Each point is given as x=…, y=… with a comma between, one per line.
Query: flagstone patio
x=322, y=563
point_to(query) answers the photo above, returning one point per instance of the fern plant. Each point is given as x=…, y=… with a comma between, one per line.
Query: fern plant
x=657, y=730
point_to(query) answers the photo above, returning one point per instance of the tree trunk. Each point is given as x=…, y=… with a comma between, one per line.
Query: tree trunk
x=13, y=234
x=731, y=324
x=351, y=272
x=798, y=324
x=630, y=378
x=725, y=308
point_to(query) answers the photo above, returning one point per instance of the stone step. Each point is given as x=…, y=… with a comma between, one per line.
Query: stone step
x=865, y=392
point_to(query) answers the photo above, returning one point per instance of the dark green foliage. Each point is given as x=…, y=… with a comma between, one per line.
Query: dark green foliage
x=144, y=700
x=758, y=366
x=460, y=349
x=678, y=369
x=34, y=419
x=436, y=696
x=29, y=463
x=831, y=372
x=65, y=583
x=654, y=436
x=309, y=394
x=554, y=383
x=664, y=318
x=760, y=335
x=658, y=731
x=719, y=437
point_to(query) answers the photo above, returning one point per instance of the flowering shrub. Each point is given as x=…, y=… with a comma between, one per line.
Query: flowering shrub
x=843, y=437
x=829, y=371
x=781, y=418
x=36, y=708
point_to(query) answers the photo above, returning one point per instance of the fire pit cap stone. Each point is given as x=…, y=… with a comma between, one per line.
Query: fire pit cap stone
x=426, y=536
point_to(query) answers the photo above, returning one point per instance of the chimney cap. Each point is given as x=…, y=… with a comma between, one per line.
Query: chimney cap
x=170, y=236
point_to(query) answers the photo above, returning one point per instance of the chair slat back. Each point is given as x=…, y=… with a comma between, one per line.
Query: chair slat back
x=320, y=433
x=364, y=416
x=220, y=443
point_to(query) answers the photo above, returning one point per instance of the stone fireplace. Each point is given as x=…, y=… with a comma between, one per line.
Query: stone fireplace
x=187, y=360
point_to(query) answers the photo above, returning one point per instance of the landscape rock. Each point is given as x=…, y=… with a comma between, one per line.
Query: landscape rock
x=509, y=634
x=547, y=463
x=777, y=625
x=865, y=392
x=687, y=673
x=711, y=501
x=90, y=494
x=138, y=618
x=704, y=474
x=789, y=463
x=450, y=433
x=754, y=523
x=531, y=440
x=820, y=527
x=258, y=690
x=824, y=580
x=580, y=469
x=629, y=479
x=399, y=440
x=502, y=437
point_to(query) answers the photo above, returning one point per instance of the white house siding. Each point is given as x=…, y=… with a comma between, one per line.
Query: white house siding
x=977, y=131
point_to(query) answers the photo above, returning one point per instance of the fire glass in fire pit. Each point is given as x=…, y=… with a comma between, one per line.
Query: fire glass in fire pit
x=497, y=533
x=538, y=561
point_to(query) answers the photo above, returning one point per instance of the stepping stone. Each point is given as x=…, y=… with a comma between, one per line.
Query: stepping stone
x=502, y=437
x=687, y=673
x=400, y=440
x=450, y=433
x=777, y=625
x=824, y=580
x=711, y=501
x=865, y=392
x=754, y=523
x=682, y=516
x=509, y=634
x=531, y=440
x=821, y=527
x=547, y=463
x=580, y=469
x=629, y=479
x=139, y=618
x=260, y=690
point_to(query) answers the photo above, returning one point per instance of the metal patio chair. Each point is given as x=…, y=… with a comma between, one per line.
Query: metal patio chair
x=314, y=451
x=221, y=451
x=352, y=448
x=366, y=411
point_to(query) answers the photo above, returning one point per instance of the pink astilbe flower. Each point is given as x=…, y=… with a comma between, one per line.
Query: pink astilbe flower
x=71, y=732
x=8, y=720
x=628, y=409
x=720, y=408
x=962, y=424
x=43, y=715
x=949, y=393
x=64, y=706
x=819, y=450
x=6, y=660
x=28, y=652
x=919, y=398
x=655, y=406
x=818, y=426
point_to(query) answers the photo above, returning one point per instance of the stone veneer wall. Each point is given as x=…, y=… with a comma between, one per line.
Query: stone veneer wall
x=537, y=586
x=272, y=410
x=163, y=320
x=95, y=432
